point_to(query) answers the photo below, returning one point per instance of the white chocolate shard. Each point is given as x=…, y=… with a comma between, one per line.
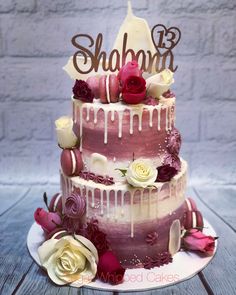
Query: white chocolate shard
x=139, y=35
x=174, y=237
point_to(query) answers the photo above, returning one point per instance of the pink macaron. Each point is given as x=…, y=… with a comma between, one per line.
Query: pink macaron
x=93, y=83
x=109, y=89
x=190, y=205
x=193, y=219
x=56, y=203
x=71, y=162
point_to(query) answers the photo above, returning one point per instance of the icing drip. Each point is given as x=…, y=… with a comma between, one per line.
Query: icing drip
x=95, y=119
x=150, y=117
x=167, y=121
x=101, y=201
x=131, y=128
x=112, y=115
x=141, y=199
x=108, y=204
x=122, y=202
x=105, y=126
x=116, y=205
x=149, y=202
x=131, y=213
x=93, y=203
x=159, y=119
x=88, y=110
x=120, y=115
x=81, y=128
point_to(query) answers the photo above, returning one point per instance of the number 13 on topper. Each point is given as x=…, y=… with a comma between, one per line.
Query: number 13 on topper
x=153, y=50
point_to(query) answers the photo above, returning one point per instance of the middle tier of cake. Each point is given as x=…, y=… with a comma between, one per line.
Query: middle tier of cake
x=112, y=135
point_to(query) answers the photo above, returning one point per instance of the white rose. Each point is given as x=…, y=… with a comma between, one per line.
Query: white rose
x=69, y=260
x=158, y=84
x=141, y=173
x=65, y=134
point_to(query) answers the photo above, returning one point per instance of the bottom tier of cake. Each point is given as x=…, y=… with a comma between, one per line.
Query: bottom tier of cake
x=139, y=223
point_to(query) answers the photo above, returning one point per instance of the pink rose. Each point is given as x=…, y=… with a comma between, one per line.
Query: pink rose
x=134, y=90
x=173, y=161
x=129, y=69
x=49, y=221
x=109, y=269
x=195, y=240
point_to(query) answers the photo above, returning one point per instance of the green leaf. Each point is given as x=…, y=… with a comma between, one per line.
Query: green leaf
x=45, y=199
x=123, y=171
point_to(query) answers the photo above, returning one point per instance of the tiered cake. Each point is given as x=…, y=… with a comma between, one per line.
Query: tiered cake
x=123, y=183
x=119, y=135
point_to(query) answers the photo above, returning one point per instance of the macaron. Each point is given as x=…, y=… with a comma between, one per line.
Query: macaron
x=71, y=162
x=109, y=88
x=56, y=203
x=193, y=219
x=93, y=83
x=190, y=205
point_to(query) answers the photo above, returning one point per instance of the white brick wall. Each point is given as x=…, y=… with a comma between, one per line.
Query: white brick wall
x=35, y=44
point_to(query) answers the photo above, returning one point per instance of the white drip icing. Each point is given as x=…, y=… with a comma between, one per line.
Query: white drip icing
x=159, y=119
x=87, y=200
x=95, y=119
x=120, y=115
x=88, y=110
x=101, y=200
x=167, y=115
x=93, y=201
x=131, y=120
x=151, y=117
x=108, y=203
x=132, y=214
x=122, y=202
x=141, y=199
x=81, y=127
x=116, y=205
x=105, y=126
x=112, y=115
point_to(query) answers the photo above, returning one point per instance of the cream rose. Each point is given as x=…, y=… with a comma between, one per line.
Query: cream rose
x=158, y=84
x=141, y=173
x=69, y=260
x=65, y=134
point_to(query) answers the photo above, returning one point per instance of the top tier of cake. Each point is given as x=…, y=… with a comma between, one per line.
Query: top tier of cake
x=112, y=135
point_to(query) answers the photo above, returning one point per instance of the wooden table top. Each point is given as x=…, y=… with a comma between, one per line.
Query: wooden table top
x=20, y=275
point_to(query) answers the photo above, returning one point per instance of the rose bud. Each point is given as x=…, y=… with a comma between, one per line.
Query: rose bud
x=195, y=240
x=129, y=69
x=134, y=90
x=47, y=220
x=109, y=269
x=75, y=206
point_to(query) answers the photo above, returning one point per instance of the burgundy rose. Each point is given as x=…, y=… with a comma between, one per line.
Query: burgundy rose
x=195, y=240
x=109, y=269
x=99, y=239
x=173, y=161
x=168, y=94
x=49, y=221
x=129, y=69
x=165, y=173
x=75, y=206
x=151, y=101
x=174, y=141
x=134, y=90
x=82, y=91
